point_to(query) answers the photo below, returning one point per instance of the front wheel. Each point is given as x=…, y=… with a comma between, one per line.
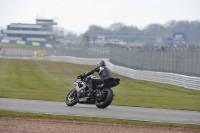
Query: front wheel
x=106, y=99
x=72, y=98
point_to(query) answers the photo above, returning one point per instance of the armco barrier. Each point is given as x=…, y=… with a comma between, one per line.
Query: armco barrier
x=161, y=77
x=26, y=43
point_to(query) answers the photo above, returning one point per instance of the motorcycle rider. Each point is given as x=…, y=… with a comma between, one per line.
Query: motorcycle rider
x=103, y=71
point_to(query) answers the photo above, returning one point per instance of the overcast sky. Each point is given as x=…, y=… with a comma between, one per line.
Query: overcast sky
x=78, y=15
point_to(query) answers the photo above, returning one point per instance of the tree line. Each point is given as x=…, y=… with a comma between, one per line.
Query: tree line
x=190, y=28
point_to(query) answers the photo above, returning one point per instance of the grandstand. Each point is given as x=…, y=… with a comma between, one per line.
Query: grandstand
x=43, y=31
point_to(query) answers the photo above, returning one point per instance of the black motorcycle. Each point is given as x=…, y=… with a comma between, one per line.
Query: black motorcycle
x=101, y=97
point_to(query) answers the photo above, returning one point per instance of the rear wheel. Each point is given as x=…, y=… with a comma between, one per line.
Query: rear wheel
x=106, y=98
x=72, y=98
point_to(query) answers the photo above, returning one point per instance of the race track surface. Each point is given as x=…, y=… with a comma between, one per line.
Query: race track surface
x=116, y=112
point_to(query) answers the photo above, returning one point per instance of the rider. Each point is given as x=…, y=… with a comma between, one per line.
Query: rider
x=103, y=71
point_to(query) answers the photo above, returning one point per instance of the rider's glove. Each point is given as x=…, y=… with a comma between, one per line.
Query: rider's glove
x=78, y=77
x=82, y=76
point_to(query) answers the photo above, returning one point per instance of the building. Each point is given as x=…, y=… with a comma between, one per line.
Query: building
x=43, y=31
x=124, y=37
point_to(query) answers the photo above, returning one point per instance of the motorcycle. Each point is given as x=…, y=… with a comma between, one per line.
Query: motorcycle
x=102, y=96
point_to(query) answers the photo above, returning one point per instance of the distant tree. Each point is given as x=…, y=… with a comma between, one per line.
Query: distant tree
x=154, y=28
x=71, y=36
x=122, y=27
x=96, y=28
x=116, y=26
x=191, y=29
x=195, y=31
x=129, y=29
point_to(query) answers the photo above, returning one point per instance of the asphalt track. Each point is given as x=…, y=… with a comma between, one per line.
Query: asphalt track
x=116, y=112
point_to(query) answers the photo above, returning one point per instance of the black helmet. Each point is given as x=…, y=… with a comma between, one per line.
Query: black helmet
x=101, y=63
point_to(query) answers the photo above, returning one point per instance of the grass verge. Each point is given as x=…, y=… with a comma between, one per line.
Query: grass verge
x=4, y=113
x=51, y=81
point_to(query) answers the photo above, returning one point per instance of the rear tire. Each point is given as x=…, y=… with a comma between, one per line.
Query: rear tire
x=72, y=98
x=107, y=98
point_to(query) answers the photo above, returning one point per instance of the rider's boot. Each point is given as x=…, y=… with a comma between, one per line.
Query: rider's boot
x=90, y=90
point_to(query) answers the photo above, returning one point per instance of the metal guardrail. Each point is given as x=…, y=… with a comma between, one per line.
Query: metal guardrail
x=161, y=77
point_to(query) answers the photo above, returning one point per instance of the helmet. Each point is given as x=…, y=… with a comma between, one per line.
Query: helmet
x=101, y=63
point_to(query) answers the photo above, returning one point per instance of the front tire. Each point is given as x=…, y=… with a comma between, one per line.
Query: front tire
x=106, y=100
x=72, y=98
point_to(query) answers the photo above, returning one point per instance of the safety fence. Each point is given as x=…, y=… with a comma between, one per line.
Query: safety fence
x=183, y=60
x=96, y=51
x=175, y=59
x=12, y=52
x=161, y=77
x=91, y=51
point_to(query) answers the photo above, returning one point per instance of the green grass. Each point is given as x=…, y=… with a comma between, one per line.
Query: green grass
x=5, y=113
x=21, y=46
x=44, y=80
